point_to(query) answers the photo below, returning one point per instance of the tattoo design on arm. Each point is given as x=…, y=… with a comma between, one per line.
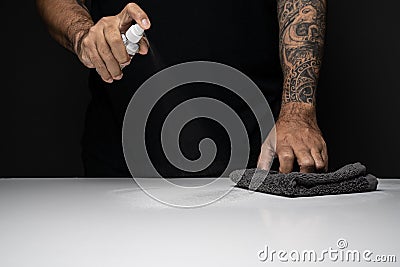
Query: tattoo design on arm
x=302, y=32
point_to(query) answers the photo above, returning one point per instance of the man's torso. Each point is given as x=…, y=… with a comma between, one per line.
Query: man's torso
x=238, y=33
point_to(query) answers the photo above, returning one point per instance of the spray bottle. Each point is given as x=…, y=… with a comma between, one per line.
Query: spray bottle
x=131, y=39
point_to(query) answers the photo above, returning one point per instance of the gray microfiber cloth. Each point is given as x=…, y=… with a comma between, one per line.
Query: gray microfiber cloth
x=351, y=178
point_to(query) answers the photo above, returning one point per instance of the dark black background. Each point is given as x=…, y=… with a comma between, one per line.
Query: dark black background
x=44, y=92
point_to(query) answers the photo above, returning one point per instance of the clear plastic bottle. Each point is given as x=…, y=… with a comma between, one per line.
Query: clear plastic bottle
x=131, y=38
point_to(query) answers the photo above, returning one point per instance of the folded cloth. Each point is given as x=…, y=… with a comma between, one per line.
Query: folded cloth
x=351, y=178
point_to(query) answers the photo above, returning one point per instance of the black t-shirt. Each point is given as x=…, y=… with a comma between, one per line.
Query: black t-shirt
x=240, y=33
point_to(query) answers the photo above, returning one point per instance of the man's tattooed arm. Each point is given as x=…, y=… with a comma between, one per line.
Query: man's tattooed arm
x=302, y=31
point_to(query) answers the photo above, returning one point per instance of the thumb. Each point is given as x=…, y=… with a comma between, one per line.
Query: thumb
x=132, y=12
x=268, y=151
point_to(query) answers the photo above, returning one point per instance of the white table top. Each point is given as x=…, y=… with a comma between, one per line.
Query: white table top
x=112, y=222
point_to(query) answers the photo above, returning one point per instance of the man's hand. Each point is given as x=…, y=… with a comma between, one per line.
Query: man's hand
x=299, y=138
x=101, y=46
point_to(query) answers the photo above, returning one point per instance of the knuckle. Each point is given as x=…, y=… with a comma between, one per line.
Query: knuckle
x=114, y=40
x=87, y=63
x=319, y=165
x=87, y=43
x=86, y=60
x=93, y=30
x=306, y=162
x=100, y=68
x=106, y=21
x=108, y=58
x=102, y=52
x=105, y=75
x=105, y=54
x=98, y=64
x=287, y=157
x=125, y=60
x=102, y=22
x=284, y=169
x=116, y=73
x=131, y=6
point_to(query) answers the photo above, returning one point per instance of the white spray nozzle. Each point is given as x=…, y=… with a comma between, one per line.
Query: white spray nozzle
x=134, y=33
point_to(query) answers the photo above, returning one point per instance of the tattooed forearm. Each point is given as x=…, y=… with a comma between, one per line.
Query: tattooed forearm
x=302, y=31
